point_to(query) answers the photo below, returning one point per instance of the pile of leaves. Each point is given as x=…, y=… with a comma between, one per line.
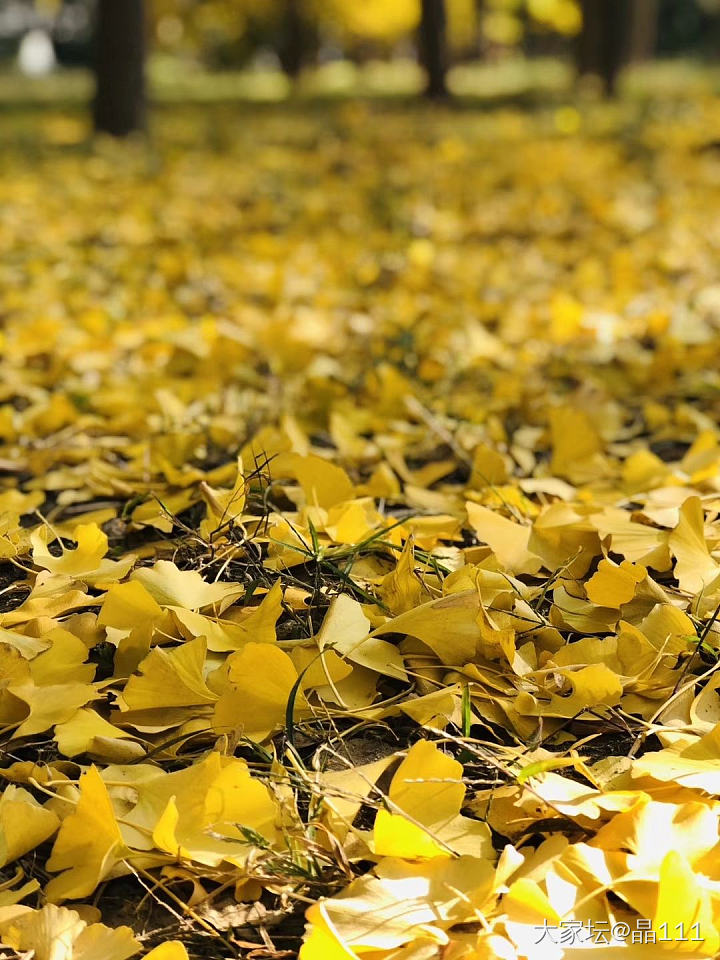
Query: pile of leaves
x=359, y=548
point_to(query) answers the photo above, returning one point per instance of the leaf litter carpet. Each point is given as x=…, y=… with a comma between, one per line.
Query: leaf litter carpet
x=360, y=555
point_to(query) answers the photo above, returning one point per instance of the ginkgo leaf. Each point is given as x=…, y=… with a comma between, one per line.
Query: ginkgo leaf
x=170, y=587
x=507, y=539
x=649, y=830
x=257, y=626
x=346, y=630
x=591, y=686
x=695, y=766
x=50, y=704
x=400, y=589
x=10, y=895
x=159, y=514
x=84, y=562
x=256, y=709
x=488, y=467
x=694, y=567
x=204, y=813
x=447, y=625
x=704, y=711
x=324, y=484
x=28, y=647
x=170, y=950
x=614, y=584
x=319, y=668
x=224, y=506
x=128, y=606
x=89, y=844
x=685, y=903
x=87, y=732
x=571, y=610
x=167, y=680
x=435, y=709
x=343, y=792
x=57, y=933
x=352, y=522
x=404, y=901
x=576, y=444
x=43, y=603
x=63, y=662
x=357, y=691
x=24, y=823
x=566, y=536
x=423, y=816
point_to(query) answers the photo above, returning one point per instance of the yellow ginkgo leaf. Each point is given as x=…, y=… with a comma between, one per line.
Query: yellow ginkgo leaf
x=88, y=732
x=436, y=709
x=685, y=907
x=346, y=630
x=571, y=610
x=44, y=602
x=576, y=445
x=251, y=708
x=488, y=467
x=319, y=668
x=423, y=816
x=650, y=829
x=50, y=704
x=694, y=567
x=613, y=585
x=64, y=661
x=28, y=647
x=168, y=679
x=128, y=606
x=89, y=844
x=352, y=521
x=323, y=484
x=525, y=902
x=224, y=506
x=635, y=541
x=24, y=823
x=172, y=587
x=57, y=933
x=11, y=895
x=86, y=561
x=170, y=950
x=343, y=792
x=592, y=686
x=206, y=812
x=401, y=589
x=507, y=539
x=403, y=901
x=257, y=624
x=683, y=770
x=447, y=625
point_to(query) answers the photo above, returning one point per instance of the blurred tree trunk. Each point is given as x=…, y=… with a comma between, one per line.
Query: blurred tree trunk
x=433, y=47
x=602, y=43
x=479, y=14
x=119, y=107
x=294, y=39
x=644, y=19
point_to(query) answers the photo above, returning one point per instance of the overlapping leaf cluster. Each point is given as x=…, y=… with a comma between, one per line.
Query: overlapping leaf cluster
x=360, y=485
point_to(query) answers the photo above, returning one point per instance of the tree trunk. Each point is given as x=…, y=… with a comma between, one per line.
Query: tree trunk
x=602, y=43
x=291, y=49
x=119, y=107
x=644, y=16
x=433, y=47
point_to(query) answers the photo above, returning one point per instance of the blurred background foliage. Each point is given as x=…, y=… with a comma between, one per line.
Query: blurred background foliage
x=234, y=34
x=218, y=50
